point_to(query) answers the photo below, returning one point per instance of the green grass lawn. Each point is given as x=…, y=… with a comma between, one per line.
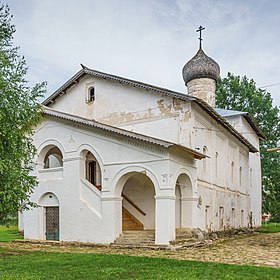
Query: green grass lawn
x=270, y=227
x=19, y=264
x=9, y=233
x=46, y=265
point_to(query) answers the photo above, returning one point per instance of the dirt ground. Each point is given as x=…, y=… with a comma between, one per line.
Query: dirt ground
x=261, y=249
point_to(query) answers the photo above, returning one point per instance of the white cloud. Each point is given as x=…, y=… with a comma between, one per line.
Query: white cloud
x=147, y=40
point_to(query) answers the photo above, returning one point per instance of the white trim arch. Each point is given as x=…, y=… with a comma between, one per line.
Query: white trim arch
x=190, y=176
x=91, y=149
x=43, y=149
x=48, y=199
x=125, y=173
x=186, y=209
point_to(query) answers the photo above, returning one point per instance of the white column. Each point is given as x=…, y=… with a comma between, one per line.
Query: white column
x=165, y=219
x=112, y=218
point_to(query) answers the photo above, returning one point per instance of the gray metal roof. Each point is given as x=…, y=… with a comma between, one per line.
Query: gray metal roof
x=228, y=113
x=202, y=104
x=232, y=113
x=123, y=132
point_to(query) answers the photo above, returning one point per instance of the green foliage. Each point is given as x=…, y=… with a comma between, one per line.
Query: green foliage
x=9, y=233
x=19, y=113
x=44, y=265
x=270, y=227
x=10, y=220
x=240, y=93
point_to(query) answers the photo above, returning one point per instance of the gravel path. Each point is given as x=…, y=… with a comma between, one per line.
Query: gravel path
x=261, y=249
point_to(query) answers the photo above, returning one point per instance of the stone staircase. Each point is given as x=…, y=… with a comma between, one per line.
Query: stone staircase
x=129, y=222
x=136, y=237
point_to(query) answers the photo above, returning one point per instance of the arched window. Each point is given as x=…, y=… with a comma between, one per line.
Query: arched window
x=53, y=158
x=91, y=94
x=93, y=172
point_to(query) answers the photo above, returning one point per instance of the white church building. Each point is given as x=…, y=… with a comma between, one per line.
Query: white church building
x=116, y=154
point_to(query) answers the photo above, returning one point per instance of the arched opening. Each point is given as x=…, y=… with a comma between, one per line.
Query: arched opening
x=91, y=94
x=53, y=158
x=50, y=212
x=91, y=170
x=184, y=202
x=138, y=203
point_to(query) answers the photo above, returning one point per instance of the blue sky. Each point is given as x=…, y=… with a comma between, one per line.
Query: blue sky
x=149, y=41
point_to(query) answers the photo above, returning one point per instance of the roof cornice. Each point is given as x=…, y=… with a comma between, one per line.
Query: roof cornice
x=115, y=130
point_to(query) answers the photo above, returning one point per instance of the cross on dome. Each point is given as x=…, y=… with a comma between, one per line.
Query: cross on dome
x=200, y=28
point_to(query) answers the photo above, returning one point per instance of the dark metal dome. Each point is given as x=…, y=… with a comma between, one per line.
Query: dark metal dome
x=201, y=66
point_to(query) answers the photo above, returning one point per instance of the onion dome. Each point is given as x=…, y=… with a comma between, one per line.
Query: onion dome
x=201, y=66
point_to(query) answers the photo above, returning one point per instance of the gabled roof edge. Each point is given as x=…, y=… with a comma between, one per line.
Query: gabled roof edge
x=85, y=70
x=64, y=87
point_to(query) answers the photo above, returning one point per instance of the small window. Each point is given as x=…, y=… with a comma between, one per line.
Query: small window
x=91, y=96
x=204, y=160
x=216, y=164
x=232, y=171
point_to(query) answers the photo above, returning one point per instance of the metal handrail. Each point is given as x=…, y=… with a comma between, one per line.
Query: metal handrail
x=133, y=204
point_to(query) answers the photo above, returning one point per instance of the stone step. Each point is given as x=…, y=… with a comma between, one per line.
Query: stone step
x=138, y=233
x=136, y=237
x=130, y=242
x=136, y=240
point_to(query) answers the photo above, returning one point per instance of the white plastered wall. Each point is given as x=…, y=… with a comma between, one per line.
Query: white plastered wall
x=90, y=215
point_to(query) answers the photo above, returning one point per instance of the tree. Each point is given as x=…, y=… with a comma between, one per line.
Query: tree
x=240, y=93
x=19, y=113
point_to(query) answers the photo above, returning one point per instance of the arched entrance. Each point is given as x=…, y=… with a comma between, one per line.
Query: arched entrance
x=50, y=205
x=184, y=202
x=138, y=202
